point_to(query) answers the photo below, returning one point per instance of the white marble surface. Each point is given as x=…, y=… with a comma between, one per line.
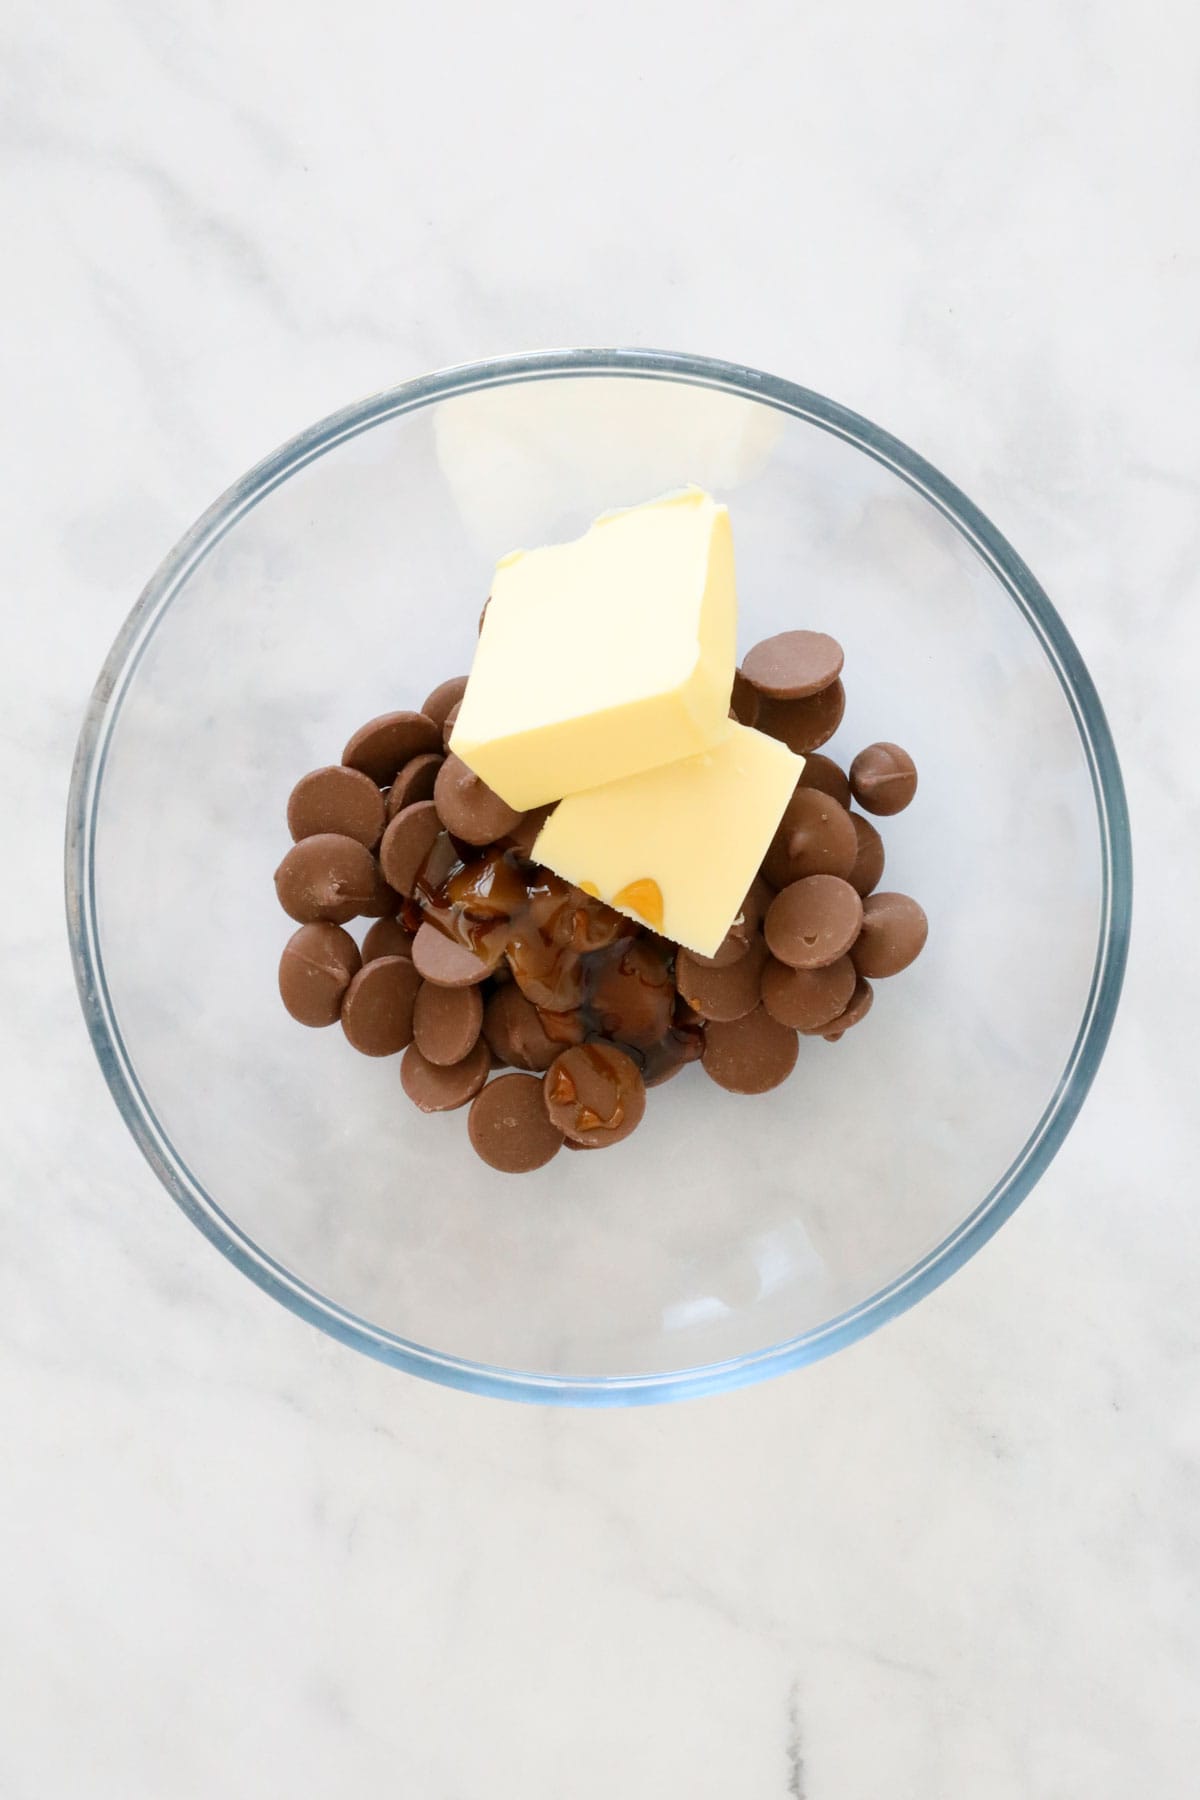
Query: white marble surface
x=962, y=1559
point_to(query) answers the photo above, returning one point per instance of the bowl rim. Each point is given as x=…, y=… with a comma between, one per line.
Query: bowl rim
x=896, y=1296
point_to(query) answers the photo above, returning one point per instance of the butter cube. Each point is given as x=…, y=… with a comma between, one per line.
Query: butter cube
x=677, y=847
x=604, y=656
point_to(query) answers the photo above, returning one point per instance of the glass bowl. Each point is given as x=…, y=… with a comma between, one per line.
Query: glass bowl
x=730, y=1238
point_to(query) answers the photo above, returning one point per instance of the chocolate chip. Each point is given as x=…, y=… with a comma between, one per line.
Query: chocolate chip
x=894, y=930
x=383, y=899
x=744, y=701
x=326, y=877
x=437, y=1087
x=446, y=1022
x=468, y=807
x=750, y=1055
x=377, y=1012
x=804, y=725
x=823, y=773
x=723, y=994
x=859, y=1007
x=794, y=664
x=339, y=800
x=516, y=1030
x=446, y=962
x=807, y=999
x=387, y=937
x=814, y=837
x=883, y=778
x=318, y=963
x=407, y=842
x=448, y=724
x=385, y=744
x=414, y=782
x=867, y=872
x=594, y=1094
x=813, y=922
x=740, y=935
x=445, y=695
x=509, y=1127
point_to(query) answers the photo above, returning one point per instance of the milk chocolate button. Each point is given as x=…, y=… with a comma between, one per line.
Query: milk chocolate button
x=377, y=1012
x=814, y=837
x=326, y=877
x=387, y=937
x=443, y=697
x=794, y=664
x=594, y=1094
x=385, y=744
x=823, y=773
x=804, y=725
x=446, y=1022
x=435, y=1087
x=318, y=963
x=813, y=922
x=807, y=999
x=383, y=899
x=448, y=724
x=445, y=961
x=513, y=1027
x=740, y=935
x=894, y=929
x=525, y=832
x=867, y=872
x=336, y=799
x=509, y=1127
x=468, y=807
x=750, y=1055
x=414, y=782
x=884, y=779
x=859, y=1007
x=407, y=842
x=726, y=993
x=744, y=701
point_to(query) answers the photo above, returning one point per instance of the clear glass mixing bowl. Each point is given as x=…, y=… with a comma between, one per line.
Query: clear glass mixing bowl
x=730, y=1238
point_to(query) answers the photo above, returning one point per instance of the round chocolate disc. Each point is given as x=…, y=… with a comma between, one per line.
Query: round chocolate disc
x=894, y=930
x=407, y=842
x=377, y=1012
x=317, y=966
x=804, y=725
x=813, y=922
x=437, y=1087
x=823, y=773
x=514, y=1028
x=384, y=899
x=750, y=1055
x=336, y=799
x=883, y=778
x=387, y=937
x=509, y=1127
x=443, y=697
x=794, y=664
x=722, y=993
x=867, y=872
x=326, y=877
x=744, y=701
x=414, y=782
x=807, y=999
x=446, y=962
x=467, y=806
x=385, y=744
x=859, y=1007
x=594, y=1094
x=448, y=724
x=741, y=933
x=446, y=1022
x=814, y=837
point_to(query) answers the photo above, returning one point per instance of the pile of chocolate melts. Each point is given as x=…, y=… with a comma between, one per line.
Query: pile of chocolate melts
x=480, y=960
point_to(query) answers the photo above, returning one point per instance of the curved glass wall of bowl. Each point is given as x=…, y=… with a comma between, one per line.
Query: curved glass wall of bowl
x=730, y=1237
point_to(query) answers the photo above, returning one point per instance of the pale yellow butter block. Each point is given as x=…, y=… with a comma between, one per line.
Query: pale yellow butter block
x=677, y=847
x=604, y=656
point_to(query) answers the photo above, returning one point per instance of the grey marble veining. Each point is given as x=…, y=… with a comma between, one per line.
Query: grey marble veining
x=961, y=1559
